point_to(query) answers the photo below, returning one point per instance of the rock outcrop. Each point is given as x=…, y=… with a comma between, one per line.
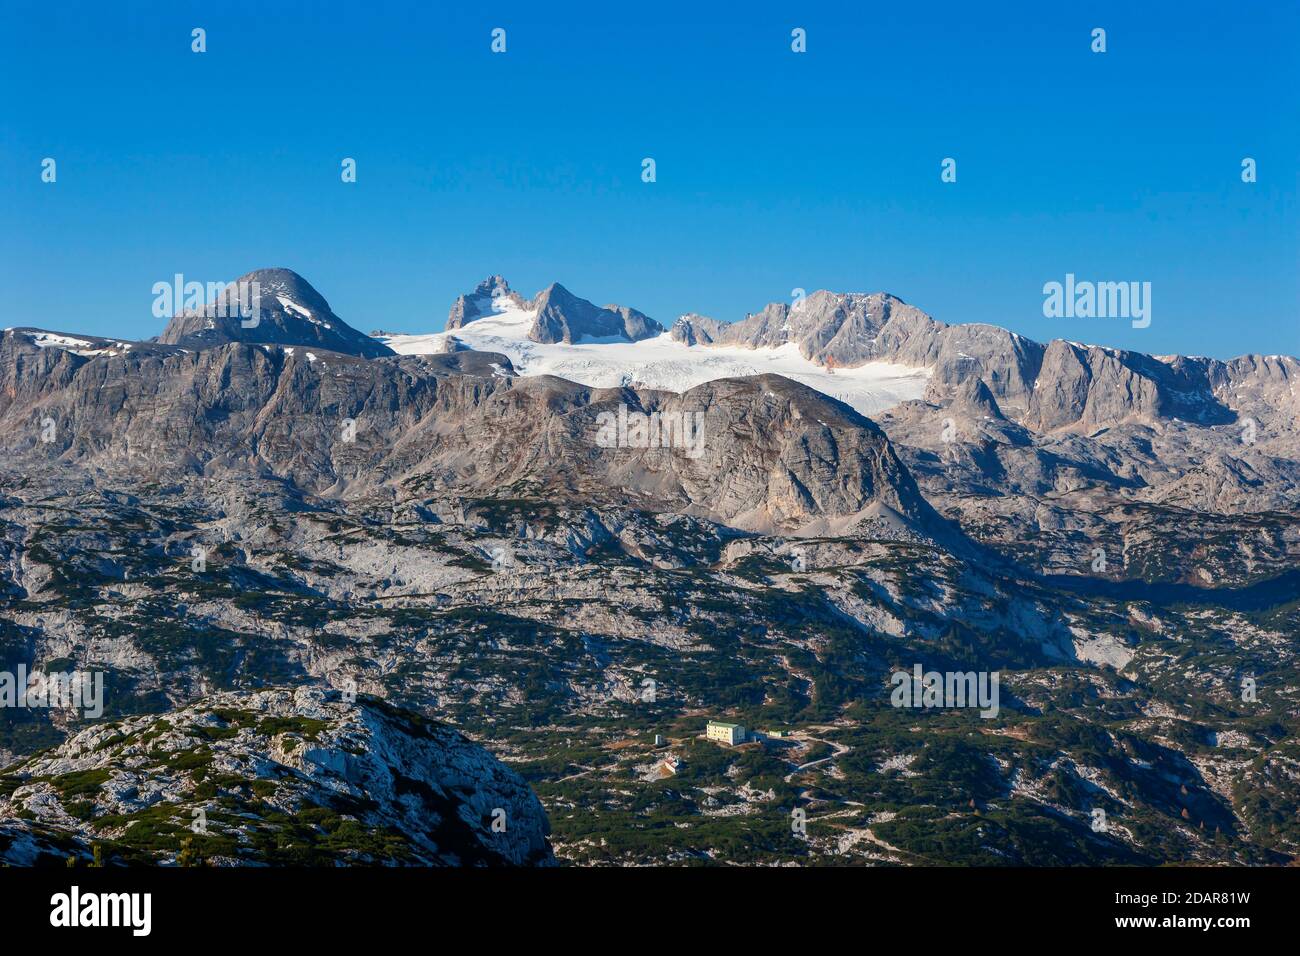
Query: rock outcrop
x=305, y=776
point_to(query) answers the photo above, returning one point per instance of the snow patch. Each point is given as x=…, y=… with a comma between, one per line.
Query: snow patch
x=294, y=307
x=46, y=340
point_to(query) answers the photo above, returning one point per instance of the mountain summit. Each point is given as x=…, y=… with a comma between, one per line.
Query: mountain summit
x=563, y=317
x=288, y=312
x=555, y=314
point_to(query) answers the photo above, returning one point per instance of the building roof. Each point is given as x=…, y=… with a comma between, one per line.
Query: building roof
x=723, y=724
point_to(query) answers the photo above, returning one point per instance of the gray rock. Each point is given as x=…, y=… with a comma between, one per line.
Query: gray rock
x=290, y=312
x=418, y=793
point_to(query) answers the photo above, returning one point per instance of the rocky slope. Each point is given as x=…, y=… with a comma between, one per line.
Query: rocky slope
x=759, y=453
x=565, y=637
x=1045, y=452
x=1018, y=440
x=271, y=777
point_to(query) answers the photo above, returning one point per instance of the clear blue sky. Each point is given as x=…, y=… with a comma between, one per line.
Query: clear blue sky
x=775, y=170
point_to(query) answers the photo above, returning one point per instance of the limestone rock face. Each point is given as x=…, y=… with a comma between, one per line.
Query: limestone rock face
x=759, y=453
x=829, y=328
x=302, y=775
x=1174, y=430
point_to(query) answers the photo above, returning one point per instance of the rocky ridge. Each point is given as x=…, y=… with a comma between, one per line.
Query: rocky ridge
x=272, y=776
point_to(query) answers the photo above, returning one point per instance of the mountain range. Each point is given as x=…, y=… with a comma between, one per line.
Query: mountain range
x=265, y=504
x=994, y=426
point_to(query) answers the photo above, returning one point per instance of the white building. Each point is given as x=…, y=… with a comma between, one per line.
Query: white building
x=725, y=733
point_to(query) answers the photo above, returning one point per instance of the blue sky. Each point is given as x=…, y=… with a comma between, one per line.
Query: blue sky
x=775, y=170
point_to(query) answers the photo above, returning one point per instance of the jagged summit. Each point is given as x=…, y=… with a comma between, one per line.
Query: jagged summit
x=554, y=315
x=493, y=285
x=564, y=317
x=272, y=307
x=491, y=295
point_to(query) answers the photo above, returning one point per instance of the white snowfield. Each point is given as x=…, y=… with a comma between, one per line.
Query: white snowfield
x=662, y=363
x=47, y=340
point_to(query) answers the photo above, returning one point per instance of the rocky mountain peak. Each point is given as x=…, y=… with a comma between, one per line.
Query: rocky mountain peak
x=564, y=317
x=487, y=296
x=974, y=398
x=287, y=283
x=493, y=286
x=269, y=307
x=557, y=314
x=835, y=329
